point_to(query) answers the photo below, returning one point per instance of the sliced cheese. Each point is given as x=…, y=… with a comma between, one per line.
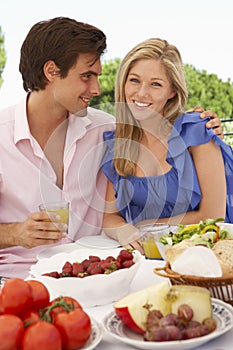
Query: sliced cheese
x=198, y=298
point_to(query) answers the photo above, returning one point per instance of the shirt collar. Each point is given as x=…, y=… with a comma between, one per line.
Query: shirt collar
x=76, y=130
x=22, y=130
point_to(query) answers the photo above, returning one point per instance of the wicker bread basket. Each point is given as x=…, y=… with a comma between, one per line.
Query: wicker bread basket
x=219, y=287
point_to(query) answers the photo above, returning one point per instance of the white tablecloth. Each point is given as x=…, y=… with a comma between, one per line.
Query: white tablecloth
x=144, y=278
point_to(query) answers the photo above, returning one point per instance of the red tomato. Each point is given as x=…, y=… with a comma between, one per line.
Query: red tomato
x=11, y=332
x=40, y=294
x=42, y=336
x=69, y=300
x=30, y=317
x=74, y=327
x=57, y=310
x=16, y=296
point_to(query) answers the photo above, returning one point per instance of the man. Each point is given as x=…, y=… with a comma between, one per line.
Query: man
x=51, y=143
x=50, y=149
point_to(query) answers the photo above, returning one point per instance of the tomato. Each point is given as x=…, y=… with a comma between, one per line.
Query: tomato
x=30, y=317
x=74, y=327
x=68, y=300
x=40, y=294
x=16, y=296
x=11, y=332
x=42, y=336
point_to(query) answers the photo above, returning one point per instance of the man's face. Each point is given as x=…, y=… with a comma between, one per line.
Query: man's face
x=75, y=91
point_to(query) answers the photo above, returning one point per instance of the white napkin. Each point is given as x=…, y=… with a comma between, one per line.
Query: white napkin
x=197, y=261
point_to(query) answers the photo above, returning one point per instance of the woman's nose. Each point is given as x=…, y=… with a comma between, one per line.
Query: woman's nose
x=143, y=90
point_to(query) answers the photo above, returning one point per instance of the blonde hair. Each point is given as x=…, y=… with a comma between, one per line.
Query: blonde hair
x=128, y=131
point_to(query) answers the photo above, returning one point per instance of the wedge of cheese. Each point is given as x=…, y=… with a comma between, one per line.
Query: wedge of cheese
x=197, y=298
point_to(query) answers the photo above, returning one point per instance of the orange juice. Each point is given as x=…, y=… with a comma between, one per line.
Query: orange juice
x=61, y=209
x=150, y=248
x=63, y=213
x=150, y=233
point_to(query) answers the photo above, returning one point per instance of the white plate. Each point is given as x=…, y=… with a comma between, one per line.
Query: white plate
x=95, y=242
x=61, y=248
x=100, y=242
x=95, y=337
x=222, y=313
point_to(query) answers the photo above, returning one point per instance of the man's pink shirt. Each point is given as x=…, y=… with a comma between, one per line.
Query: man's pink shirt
x=28, y=179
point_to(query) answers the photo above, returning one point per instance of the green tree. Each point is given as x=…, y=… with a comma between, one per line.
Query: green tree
x=208, y=91
x=107, y=82
x=2, y=55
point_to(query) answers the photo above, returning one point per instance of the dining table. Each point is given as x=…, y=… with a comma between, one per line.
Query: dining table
x=145, y=277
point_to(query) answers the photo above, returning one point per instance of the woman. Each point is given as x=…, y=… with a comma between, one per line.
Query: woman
x=161, y=163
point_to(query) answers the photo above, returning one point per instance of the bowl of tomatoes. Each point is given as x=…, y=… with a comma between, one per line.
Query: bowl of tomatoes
x=93, y=276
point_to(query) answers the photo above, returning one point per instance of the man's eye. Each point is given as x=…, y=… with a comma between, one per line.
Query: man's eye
x=86, y=76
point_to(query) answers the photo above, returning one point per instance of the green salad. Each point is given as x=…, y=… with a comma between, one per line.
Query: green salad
x=206, y=232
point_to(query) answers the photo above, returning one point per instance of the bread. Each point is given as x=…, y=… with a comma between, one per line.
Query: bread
x=223, y=249
x=174, y=251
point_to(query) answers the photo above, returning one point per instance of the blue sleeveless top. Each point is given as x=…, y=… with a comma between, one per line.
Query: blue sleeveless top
x=177, y=191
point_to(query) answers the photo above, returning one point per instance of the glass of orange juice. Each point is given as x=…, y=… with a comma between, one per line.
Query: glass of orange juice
x=149, y=235
x=58, y=208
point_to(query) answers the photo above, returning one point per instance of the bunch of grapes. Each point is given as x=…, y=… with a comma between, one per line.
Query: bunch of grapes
x=176, y=327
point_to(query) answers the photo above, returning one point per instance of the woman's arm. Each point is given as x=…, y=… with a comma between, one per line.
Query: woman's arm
x=210, y=170
x=116, y=227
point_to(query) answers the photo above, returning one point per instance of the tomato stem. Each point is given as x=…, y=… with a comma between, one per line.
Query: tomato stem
x=45, y=313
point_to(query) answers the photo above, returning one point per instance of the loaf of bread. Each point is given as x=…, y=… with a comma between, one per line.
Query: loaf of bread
x=223, y=249
x=176, y=250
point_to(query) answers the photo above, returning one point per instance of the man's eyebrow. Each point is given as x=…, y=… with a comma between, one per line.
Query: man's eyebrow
x=90, y=72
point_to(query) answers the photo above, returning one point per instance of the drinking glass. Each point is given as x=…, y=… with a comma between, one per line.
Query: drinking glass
x=58, y=208
x=149, y=235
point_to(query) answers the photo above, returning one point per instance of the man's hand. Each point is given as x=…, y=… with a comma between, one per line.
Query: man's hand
x=35, y=231
x=214, y=123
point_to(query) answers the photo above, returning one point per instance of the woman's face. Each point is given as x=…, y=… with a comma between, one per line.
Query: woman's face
x=147, y=89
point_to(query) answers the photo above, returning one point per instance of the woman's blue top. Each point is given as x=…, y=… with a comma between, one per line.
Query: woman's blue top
x=178, y=190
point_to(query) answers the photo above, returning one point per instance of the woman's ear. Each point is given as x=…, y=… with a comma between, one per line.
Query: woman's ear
x=172, y=94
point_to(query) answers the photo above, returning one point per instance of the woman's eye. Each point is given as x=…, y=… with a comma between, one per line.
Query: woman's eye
x=134, y=80
x=156, y=84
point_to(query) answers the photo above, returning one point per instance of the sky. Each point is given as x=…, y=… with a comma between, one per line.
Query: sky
x=201, y=29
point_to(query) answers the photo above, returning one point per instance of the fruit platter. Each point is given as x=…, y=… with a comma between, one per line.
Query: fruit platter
x=165, y=317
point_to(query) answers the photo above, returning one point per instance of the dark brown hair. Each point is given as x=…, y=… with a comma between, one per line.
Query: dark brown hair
x=59, y=39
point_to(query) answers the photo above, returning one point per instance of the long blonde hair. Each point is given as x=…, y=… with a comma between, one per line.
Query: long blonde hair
x=128, y=130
